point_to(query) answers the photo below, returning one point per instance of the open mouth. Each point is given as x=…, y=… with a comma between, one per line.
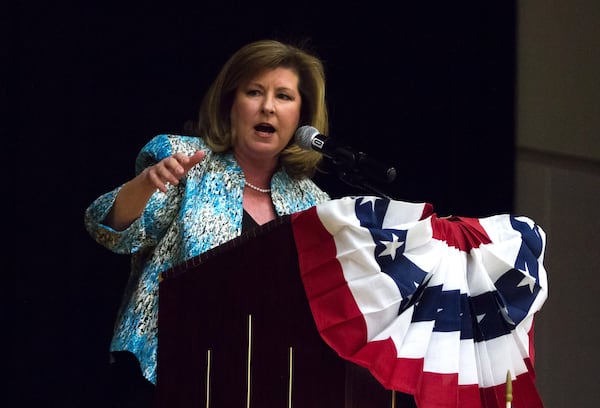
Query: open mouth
x=266, y=128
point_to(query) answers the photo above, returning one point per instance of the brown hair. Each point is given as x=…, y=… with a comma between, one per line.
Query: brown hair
x=214, y=119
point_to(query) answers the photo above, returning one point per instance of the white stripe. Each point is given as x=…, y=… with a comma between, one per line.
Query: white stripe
x=467, y=365
x=478, y=280
x=426, y=256
x=415, y=342
x=496, y=357
x=443, y=353
x=397, y=329
x=418, y=234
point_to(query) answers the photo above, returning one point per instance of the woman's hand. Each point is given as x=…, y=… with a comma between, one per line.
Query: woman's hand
x=134, y=194
x=171, y=169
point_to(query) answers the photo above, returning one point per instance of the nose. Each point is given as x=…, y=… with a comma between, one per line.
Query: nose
x=268, y=106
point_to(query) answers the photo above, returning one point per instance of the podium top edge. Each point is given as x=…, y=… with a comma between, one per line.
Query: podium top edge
x=193, y=262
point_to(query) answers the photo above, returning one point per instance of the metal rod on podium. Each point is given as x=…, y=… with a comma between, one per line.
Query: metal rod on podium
x=508, y=390
x=249, y=362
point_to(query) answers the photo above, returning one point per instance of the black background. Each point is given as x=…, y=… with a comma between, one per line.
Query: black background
x=429, y=89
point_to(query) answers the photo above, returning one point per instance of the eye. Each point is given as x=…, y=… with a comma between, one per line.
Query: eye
x=285, y=96
x=253, y=92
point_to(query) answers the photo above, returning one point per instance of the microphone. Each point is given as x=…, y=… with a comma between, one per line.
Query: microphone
x=309, y=138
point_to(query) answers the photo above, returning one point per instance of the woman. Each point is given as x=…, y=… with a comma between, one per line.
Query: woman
x=192, y=193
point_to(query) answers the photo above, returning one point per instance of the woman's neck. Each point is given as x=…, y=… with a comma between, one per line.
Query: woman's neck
x=257, y=172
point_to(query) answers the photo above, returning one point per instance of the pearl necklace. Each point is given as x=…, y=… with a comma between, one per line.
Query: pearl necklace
x=260, y=190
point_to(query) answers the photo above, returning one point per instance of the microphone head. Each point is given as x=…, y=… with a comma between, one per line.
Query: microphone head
x=304, y=136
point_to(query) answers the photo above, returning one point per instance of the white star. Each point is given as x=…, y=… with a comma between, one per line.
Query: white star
x=369, y=199
x=480, y=317
x=527, y=278
x=507, y=317
x=391, y=246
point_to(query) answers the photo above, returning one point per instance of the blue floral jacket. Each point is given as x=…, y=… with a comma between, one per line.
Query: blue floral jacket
x=202, y=212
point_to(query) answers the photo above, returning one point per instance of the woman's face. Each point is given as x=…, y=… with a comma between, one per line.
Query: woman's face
x=265, y=114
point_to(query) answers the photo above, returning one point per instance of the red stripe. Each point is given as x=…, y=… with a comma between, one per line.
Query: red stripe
x=524, y=391
x=468, y=396
x=427, y=211
x=460, y=232
x=438, y=390
x=401, y=374
x=531, y=344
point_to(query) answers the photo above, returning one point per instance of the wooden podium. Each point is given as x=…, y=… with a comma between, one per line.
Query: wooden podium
x=236, y=330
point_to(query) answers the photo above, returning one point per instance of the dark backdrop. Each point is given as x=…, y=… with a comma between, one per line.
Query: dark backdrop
x=428, y=89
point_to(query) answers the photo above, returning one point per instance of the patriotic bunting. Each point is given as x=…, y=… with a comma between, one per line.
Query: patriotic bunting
x=440, y=308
